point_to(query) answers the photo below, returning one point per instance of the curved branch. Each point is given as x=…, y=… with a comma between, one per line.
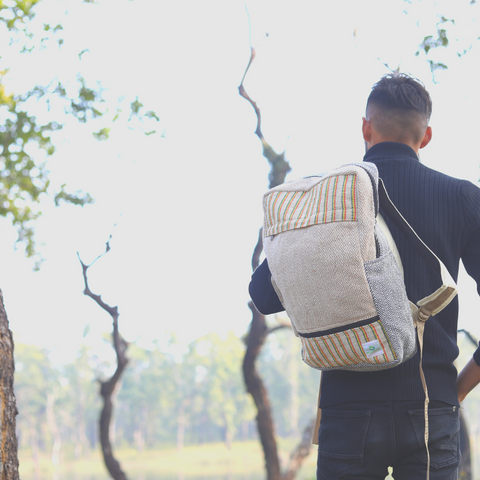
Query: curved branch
x=246, y=96
x=280, y=166
x=108, y=387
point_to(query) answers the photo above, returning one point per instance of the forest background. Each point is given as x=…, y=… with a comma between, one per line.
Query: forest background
x=159, y=130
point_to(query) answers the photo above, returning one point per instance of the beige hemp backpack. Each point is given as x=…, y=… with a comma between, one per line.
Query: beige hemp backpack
x=336, y=275
x=335, y=271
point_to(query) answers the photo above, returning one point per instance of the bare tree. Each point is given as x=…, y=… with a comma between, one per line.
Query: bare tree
x=8, y=408
x=109, y=387
x=259, y=332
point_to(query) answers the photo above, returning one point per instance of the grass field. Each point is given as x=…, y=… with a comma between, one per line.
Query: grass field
x=207, y=462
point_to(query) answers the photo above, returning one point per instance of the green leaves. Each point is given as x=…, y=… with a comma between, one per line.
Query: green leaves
x=86, y=104
x=434, y=66
x=47, y=27
x=76, y=198
x=22, y=180
x=25, y=145
x=430, y=42
x=144, y=119
x=441, y=46
x=135, y=106
x=15, y=14
x=26, y=138
x=102, y=134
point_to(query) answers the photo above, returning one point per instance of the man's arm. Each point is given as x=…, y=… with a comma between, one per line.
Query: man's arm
x=262, y=292
x=468, y=379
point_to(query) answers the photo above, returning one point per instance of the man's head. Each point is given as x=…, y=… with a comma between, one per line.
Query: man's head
x=398, y=110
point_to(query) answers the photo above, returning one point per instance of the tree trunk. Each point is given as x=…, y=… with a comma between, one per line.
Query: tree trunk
x=254, y=384
x=8, y=408
x=113, y=466
x=259, y=330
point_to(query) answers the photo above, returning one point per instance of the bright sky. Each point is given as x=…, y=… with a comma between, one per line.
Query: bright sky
x=187, y=207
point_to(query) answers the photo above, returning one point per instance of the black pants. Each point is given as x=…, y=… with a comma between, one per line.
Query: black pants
x=359, y=441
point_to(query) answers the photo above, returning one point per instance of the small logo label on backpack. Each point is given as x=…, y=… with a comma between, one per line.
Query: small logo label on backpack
x=372, y=349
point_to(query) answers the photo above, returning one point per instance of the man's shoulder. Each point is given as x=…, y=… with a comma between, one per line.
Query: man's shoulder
x=419, y=173
x=464, y=187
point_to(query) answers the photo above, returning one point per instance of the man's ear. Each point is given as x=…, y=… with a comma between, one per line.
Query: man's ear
x=366, y=130
x=427, y=137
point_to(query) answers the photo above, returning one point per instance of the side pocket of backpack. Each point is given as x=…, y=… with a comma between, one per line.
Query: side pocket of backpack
x=390, y=297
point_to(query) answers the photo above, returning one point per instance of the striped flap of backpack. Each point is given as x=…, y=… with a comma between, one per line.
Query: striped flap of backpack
x=313, y=200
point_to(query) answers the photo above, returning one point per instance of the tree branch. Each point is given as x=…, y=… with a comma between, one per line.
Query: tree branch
x=246, y=96
x=280, y=166
x=108, y=387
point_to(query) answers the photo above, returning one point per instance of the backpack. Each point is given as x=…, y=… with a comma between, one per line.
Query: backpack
x=335, y=270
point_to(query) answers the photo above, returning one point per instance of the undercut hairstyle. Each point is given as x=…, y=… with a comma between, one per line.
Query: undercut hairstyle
x=399, y=107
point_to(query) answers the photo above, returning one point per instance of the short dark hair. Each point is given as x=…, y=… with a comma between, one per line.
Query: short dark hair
x=400, y=104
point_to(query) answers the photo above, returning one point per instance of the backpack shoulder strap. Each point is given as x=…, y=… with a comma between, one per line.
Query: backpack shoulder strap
x=427, y=306
x=438, y=300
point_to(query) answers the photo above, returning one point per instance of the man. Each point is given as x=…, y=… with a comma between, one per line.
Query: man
x=374, y=420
